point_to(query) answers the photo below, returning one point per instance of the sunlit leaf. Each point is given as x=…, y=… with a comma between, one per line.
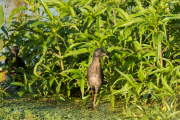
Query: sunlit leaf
x=166, y=19
x=168, y=88
x=123, y=14
x=127, y=78
x=2, y=16
x=3, y=76
x=82, y=83
x=128, y=23
x=73, y=14
x=3, y=56
x=74, y=52
x=15, y=11
x=141, y=73
x=48, y=12
x=101, y=11
x=18, y=84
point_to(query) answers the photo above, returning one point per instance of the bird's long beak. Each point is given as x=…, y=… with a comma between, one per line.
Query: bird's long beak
x=105, y=55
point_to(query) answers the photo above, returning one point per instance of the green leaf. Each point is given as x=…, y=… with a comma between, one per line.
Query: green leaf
x=73, y=14
x=21, y=93
x=68, y=89
x=58, y=86
x=30, y=89
x=119, y=91
x=74, y=45
x=38, y=23
x=46, y=44
x=85, y=34
x=168, y=88
x=170, y=63
x=51, y=81
x=141, y=73
x=25, y=80
x=98, y=24
x=84, y=98
x=159, y=38
x=4, y=30
x=48, y=12
x=112, y=100
x=162, y=70
x=49, y=69
x=1, y=16
x=127, y=78
x=166, y=19
x=3, y=76
x=36, y=66
x=83, y=10
x=140, y=5
x=2, y=57
x=175, y=69
x=123, y=14
x=71, y=71
x=74, y=52
x=137, y=45
x=15, y=11
x=128, y=23
x=101, y=11
x=61, y=98
x=18, y=84
x=61, y=4
x=110, y=49
x=167, y=106
x=82, y=83
x=6, y=94
x=174, y=114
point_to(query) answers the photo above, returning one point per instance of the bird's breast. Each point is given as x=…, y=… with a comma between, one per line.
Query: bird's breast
x=94, y=80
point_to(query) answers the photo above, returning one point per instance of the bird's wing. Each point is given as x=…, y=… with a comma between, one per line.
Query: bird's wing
x=88, y=71
x=20, y=62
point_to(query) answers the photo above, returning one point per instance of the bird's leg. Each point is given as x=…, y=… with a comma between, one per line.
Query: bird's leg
x=92, y=97
x=92, y=93
x=94, y=103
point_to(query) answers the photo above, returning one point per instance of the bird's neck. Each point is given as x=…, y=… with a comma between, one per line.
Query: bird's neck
x=13, y=55
x=96, y=59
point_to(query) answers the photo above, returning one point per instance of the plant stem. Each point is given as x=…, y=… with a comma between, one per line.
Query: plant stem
x=59, y=49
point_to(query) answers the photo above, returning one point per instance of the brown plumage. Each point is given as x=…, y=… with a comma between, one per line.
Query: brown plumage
x=95, y=73
x=16, y=64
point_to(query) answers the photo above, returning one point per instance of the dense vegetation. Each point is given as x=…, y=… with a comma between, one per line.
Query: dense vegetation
x=142, y=39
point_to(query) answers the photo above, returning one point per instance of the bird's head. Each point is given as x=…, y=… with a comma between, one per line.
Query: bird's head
x=99, y=52
x=15, y=50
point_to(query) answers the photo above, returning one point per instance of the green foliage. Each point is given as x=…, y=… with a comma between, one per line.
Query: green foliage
x=141, y=38
x=2, y=57
x=2, y=16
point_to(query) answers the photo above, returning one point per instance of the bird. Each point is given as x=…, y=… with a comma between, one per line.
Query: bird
x=18, y=62
x=95, y=74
